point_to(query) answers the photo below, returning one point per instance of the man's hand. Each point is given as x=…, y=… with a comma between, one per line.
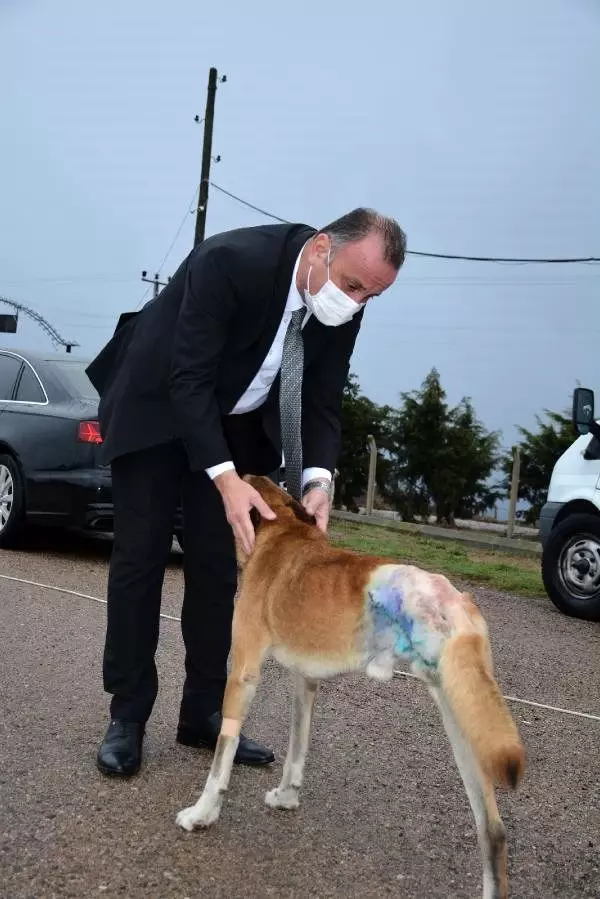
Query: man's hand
x=316, y=502
x=238, y=498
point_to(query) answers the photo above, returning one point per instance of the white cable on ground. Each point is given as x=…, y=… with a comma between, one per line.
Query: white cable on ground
x=537, y=705
x=21, y=580
x=397, y=673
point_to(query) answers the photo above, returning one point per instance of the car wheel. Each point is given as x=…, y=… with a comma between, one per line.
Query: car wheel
x=179, y=535
x=12, y=503
x=571, y=566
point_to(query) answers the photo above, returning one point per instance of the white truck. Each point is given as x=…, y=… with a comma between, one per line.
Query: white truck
x=570, y=519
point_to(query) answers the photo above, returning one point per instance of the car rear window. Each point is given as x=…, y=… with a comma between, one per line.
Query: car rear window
x=73, y=377
x=29, y=390
x=10, y=366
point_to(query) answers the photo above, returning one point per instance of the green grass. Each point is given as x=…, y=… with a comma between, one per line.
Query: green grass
x=504, y=571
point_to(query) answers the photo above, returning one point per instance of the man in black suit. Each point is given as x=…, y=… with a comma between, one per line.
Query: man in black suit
x=248, y=344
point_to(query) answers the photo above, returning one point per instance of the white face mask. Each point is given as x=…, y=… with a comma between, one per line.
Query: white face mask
x=330, y=305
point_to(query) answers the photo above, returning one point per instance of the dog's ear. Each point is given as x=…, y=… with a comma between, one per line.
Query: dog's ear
x=300, y=512
x=255, y=518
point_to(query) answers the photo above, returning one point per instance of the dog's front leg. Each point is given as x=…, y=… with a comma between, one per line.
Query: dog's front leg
x=208, y=807
x=238, y=695
x=286, y=795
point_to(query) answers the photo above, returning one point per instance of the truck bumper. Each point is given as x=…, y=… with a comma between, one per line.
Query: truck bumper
x=547, y=518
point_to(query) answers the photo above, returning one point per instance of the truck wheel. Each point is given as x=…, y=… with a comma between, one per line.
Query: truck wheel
x=12, y=503
x=571, y=566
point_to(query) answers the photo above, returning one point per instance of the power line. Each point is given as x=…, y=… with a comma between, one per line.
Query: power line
x=418, y=280
x=74, y=279
x=250, y=205
x=510, y=259
x=404, y=328
x=189, y=209
x=61, y=310
x=142, y=298
x=497, y=259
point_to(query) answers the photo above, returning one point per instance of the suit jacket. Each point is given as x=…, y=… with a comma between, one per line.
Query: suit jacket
x=175, y=369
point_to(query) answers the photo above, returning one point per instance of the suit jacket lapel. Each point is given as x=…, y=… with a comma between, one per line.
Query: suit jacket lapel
x=283, y=280
x=276, y=306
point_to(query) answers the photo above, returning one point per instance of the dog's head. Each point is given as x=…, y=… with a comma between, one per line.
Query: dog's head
x=285, y=507
x=278, y=500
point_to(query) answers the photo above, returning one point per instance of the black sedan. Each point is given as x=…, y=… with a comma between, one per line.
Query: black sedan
x=50, y=469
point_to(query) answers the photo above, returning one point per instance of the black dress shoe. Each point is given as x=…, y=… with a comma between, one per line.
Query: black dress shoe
x=120, y=753
x=206, y=734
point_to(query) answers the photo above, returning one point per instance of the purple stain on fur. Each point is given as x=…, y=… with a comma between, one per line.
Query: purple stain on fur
x=387, y=612
x=393, y=618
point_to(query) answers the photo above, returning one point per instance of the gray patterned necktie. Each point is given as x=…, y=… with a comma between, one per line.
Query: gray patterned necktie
x=290, y=402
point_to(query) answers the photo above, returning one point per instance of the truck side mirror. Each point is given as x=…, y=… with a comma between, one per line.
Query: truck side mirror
x=583, y=410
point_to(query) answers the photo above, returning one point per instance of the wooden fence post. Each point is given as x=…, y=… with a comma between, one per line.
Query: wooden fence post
x=514, y=491
x=372, y=470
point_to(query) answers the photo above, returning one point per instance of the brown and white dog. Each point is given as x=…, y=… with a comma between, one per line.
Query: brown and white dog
x=322, y=611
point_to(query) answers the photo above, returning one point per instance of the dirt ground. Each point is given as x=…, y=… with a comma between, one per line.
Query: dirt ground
x=383, y=810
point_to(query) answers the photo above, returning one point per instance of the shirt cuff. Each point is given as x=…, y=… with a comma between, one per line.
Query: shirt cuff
x=215, y=470
x=309, y=474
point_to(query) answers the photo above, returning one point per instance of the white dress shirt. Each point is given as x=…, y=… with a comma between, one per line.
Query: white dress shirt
x=257, y=392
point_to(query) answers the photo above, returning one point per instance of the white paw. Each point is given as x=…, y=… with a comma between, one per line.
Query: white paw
x=203, y=814
x=287, y=798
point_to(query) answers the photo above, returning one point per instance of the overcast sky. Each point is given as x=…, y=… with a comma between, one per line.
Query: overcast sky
x=475, y=124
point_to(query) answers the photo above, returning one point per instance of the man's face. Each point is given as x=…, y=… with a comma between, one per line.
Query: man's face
x=357, y=268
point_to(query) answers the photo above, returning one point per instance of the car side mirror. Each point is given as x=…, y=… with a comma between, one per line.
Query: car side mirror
x=582, y=416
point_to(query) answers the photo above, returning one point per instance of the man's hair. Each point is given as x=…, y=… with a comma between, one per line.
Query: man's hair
x=360, y=223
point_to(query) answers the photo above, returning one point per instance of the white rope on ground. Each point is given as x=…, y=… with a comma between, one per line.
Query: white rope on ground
x=537, y=705
x=21, y=580
x=397, y=673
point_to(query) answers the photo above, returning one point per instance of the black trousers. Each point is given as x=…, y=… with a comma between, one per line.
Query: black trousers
x=147, y=487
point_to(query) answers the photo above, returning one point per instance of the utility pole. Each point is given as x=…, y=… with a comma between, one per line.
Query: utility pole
x=514, y=490
x=155, y=280
x=209, y=118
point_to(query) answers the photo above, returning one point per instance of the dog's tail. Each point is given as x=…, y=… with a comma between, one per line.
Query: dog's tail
x=480, y=709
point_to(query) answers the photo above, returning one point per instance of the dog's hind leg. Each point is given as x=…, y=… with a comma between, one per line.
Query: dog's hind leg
x=249, y=644
x=286, y=795
x=480, y=791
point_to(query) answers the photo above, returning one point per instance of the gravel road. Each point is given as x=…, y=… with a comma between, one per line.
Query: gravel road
x=383, y=810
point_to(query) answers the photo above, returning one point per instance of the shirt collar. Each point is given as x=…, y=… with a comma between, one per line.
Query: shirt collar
x=295, y=299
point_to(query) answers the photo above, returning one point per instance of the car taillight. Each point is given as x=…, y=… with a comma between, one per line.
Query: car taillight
x=89, y=432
